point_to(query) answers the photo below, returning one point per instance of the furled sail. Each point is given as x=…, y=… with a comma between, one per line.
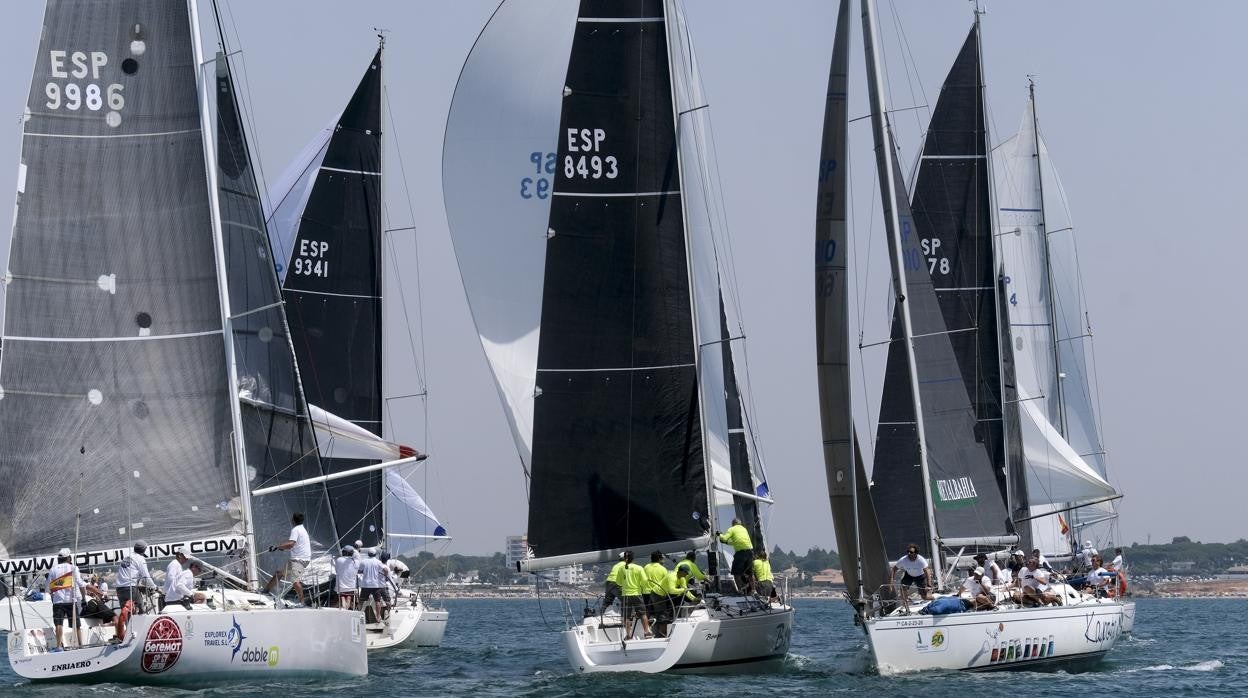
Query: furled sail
x=333, y=289
x=278, y=436
x=617, y=427
x=860, y=537
x=951, y=287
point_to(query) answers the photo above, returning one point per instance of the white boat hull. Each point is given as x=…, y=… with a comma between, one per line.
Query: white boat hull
x=1128, y=616
x=201, y=645
x=705, y=641
x=411, y=621
x=1049, y=637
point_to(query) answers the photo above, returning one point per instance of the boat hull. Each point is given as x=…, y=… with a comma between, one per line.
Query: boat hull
x=1051, y=637
x=202, y=645
x=410, y=622
x=707, y=641
x=1128, y=616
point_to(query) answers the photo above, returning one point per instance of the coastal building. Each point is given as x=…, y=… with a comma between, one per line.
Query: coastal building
x=517, y=549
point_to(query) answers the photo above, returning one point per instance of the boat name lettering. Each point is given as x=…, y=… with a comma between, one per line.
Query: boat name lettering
x=63, y=65
x=589, y=140
x=956, y=489
x=712, y=636
x=1099, y=631
x=209, y=546
x=72, y=665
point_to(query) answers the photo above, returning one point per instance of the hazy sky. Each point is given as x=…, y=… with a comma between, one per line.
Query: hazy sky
x=1143, y=106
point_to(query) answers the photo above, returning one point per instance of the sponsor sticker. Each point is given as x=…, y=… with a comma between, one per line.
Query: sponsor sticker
x=162, y=647
x=931, y=640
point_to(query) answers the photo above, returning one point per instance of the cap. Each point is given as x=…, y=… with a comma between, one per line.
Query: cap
x=64, y=552
x=385, y=557
x=347, y=550
x=180, y=553
x=359, y=545
x=140, y=545
x=372, y=552
x=1087, y=544
x=979, y=570
x=1019, y=553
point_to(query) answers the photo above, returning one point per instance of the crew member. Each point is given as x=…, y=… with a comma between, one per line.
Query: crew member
x=611, y=589
x=173, y=572
x=675, y=594
x=300, y=547
x=373, y=577
x=764, y=582
x=1099, y=578
x=656, y=598
x=916, y=572
x=1116, y=565
x=690, y=564
x=346, y=569
x=978, y=586
x=743, y=551
x=633, y=601
x=1086, y=555
x=67, y=588
x=132, y=571
x=182, y=590
x=993, y=574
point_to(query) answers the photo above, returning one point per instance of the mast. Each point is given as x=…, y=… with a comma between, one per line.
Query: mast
x=223, y=291
x=1048, y=264
x=888, y=193
x=381, y=281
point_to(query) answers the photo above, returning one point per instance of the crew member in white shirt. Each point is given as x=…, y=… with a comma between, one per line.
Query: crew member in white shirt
x=373, y=577
x=1041, y=561
x=1086, y=555
x=300, y=547
x=1116, y=565
x=1099, y=578
x=173, y=572
x=993, y=574
x=346, y=571
x=180, y=588
x=915, y=572
x=398, y=572
x=977, y=585
x=131, y=572
x=67, y=589
x=1036, y=592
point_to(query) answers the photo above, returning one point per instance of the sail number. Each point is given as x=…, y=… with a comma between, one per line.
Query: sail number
x=75, y=95
x=311, y=260
x=934, y=261
x=537, y=185
x=594, y=166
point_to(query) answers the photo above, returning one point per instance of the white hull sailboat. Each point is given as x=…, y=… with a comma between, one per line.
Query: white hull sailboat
x=752, y=636
x=1076, y=634
x=138, y=216
x=202, y=644
x=582, y=204
x=410, y=621
x=955, y=401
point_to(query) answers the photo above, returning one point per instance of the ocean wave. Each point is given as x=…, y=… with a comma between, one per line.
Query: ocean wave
x=1210, y=665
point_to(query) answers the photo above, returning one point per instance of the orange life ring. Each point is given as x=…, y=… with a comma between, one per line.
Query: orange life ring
x=122, y=616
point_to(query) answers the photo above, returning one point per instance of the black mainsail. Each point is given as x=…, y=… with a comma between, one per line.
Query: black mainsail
x=333, y=290
x=617, y=439
x=951, y=287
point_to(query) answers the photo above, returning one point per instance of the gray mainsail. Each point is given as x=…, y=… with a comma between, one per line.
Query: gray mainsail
x=853, y=514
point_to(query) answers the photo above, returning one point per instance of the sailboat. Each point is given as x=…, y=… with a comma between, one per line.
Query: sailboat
x=580, y=195
x=149, y=386
x=949, y=405
x=327, y=231
x=1051, y=348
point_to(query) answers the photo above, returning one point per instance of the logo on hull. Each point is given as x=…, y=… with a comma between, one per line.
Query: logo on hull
x=162, y=647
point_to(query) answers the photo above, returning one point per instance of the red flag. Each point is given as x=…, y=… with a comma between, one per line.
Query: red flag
x=1065, y=528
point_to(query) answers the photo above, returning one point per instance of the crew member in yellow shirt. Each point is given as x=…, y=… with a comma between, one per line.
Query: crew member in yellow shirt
x=656, y=599
x=633, y=583
x=743, y=551
x=612, y=587
x=764, y=582
x=676, y=593
x=690, y=565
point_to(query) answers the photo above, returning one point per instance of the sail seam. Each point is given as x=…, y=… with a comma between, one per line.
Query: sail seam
x=359, y=172
x=71, y=340
x=112, y=135
x=593, y=370
x=617, y=194
x=619, y=20
x=954, y=157
x=328, y=293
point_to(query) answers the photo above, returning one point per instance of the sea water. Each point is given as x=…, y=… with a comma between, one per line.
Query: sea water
x=512, y=647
